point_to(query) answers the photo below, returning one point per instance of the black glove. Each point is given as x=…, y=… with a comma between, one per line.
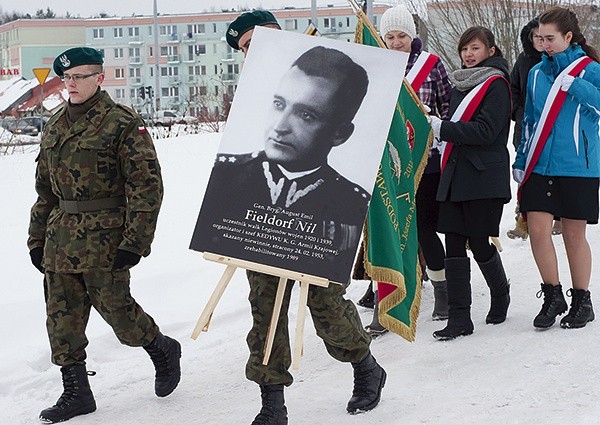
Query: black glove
x=125, y=259
x=37, y=256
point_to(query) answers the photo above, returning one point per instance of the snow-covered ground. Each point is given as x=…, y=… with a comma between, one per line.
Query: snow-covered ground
x=504, y=374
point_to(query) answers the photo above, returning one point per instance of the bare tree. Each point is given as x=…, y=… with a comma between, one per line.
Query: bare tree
x=447, y=20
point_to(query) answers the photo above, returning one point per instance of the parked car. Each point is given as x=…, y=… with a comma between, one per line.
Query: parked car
x=36, y=122
x=166, y=117
x=18, y=126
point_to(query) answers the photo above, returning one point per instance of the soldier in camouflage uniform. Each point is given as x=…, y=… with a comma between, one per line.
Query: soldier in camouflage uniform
x=311, y=120
x=99, y=193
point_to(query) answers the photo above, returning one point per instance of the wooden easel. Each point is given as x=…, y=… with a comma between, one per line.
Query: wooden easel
x=305, y=282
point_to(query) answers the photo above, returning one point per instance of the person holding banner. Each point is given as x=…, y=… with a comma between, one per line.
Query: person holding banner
x=311, y=115
x=428, y=77
x=558, y=163
x=475, y=179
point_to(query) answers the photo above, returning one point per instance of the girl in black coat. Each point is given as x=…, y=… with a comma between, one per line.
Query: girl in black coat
x=475, y=180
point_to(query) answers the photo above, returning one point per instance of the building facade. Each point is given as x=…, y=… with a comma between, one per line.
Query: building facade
x=197, y=70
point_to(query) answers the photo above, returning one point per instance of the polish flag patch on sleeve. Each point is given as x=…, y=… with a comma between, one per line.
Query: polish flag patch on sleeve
x=142, y=130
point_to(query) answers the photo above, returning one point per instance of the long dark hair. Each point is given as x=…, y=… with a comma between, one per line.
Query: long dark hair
x=482, y=34
x=565, y=21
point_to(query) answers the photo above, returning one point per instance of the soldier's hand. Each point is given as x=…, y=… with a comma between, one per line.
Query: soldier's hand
x=125, y=259
x=37, y=256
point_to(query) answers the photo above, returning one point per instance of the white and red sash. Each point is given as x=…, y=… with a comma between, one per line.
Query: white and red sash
x=465, y=111
x=554, y=102
x=421, y=69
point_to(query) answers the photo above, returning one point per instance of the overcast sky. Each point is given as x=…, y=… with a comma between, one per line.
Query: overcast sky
x=86, y=8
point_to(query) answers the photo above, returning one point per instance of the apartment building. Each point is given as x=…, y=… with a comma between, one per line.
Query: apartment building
x=197, y=70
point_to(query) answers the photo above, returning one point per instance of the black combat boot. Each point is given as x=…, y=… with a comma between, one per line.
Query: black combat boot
x=495, y=277
x=165, y=353
x=368, y=299
x=440, y=294
x=581, y=310
x=273, y=411
x=76, y=399
x=369, y=379
x=554, y=305
x=458, y=278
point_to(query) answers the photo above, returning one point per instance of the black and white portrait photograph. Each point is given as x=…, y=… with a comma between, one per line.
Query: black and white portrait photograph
x=299, y=156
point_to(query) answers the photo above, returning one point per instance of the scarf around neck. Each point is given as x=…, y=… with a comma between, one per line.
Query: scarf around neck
x=74, y=112
x=467, y=78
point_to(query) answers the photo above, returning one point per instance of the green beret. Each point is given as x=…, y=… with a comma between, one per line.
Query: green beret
x=245, y=22
x=75, y=57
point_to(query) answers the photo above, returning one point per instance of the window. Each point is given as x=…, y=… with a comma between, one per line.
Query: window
x=198, y=91
x=133, y=93
x=216, y=90
x=197, y=70
x=329, y=23
x=169, y=91
x=167, y=29
x=120, y=93
x=200, y=49
x=196, y=29
x=134, y=31
x=118, y=32
x=214, y=27
x=290, y=24
x=98, y=33
x=134, y=55
x=119, y=73
x=233, y=69
x=169, y=71
x=135, y=72
x=118, y=53
x=168, y=50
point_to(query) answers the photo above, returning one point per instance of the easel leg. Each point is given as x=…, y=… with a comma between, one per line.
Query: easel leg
x=274, y=318
x=206, y=315
x=299, y=341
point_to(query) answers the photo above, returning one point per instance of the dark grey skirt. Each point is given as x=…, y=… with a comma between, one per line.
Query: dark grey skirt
x=569, y=197
x=471, y=218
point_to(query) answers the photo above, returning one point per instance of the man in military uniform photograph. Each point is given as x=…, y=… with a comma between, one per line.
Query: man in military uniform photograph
x=311, y=113
x=99, y=191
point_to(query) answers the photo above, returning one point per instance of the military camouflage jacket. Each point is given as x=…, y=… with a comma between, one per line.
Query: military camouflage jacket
x=107, y=153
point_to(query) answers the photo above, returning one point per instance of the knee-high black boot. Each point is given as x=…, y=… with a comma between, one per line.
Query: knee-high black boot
x=458, y=278
x=495, y=277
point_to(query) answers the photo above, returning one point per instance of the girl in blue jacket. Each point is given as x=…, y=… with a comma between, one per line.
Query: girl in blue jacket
x=559, y=175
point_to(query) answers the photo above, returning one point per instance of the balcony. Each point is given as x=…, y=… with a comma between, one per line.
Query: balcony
x=135, y=81
x=193, y=79
x=228, y=57
x=228, y=78
x=188, y=38
x=171, y=59
x=190, y=58
x=174, y=81
x=135, y=40
x=135, y=61
x=173, y=39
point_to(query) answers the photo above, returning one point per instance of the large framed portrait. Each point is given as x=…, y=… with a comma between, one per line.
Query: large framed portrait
x=300, y=153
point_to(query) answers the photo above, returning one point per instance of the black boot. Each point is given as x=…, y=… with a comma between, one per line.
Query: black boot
x=376, y=329
x=273, y=411
x=495, y=277
x=458, y=278
x=369, y=379
x=368, y=299
x=165, y=353
x=440, y=294
x=76, y=399
x=554, y=305
x=581, y=310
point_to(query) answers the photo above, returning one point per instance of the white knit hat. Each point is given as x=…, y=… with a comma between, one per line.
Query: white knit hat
x=398, y=18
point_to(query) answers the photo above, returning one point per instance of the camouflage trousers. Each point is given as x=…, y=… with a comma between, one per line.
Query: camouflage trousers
x=336, y=321
x=69, y=298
